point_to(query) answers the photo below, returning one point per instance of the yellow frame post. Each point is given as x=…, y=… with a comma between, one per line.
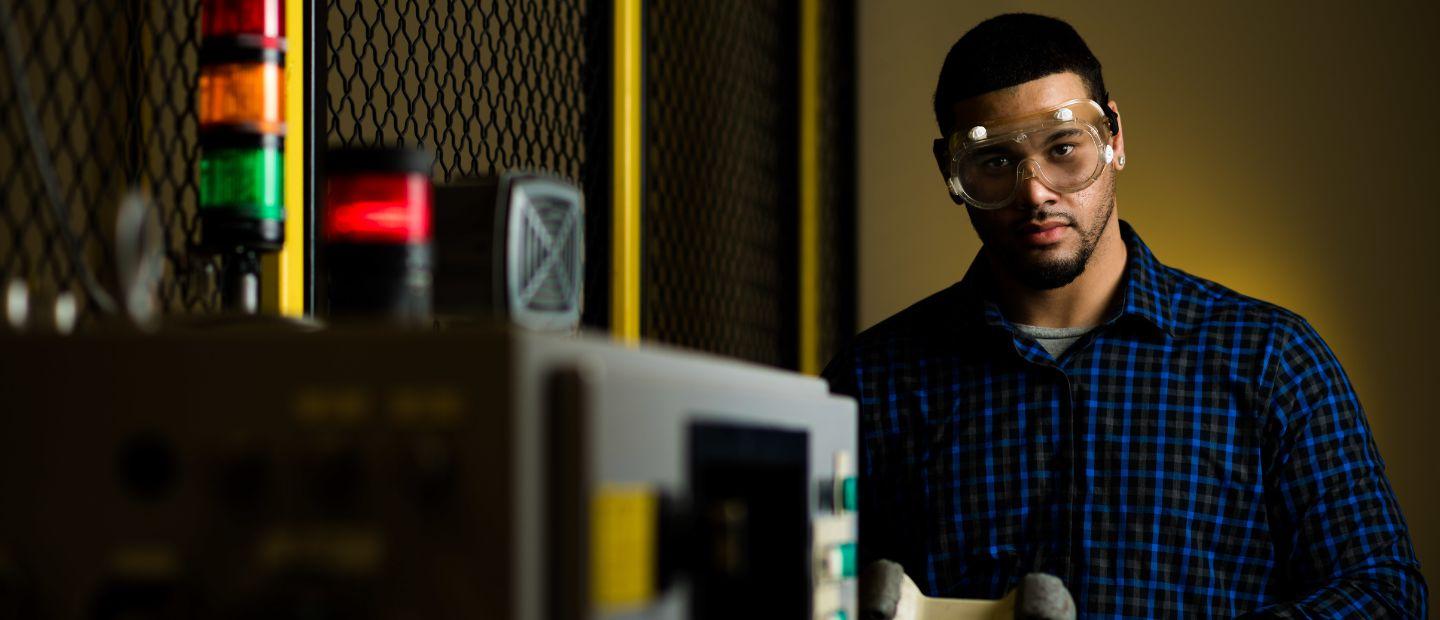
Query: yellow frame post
x=809, y=187
x=284, y=272
x=625, y=199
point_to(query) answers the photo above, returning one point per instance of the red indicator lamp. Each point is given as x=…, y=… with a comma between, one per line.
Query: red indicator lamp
x=262, y=21
x=376, y=230
x=378, y=207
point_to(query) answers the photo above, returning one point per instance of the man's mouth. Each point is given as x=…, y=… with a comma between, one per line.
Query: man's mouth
x=1042, y=233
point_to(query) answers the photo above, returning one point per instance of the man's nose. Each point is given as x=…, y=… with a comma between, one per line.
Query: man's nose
x=1030, y=193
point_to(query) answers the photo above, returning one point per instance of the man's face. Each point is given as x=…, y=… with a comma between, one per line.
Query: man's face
x=1044, y=238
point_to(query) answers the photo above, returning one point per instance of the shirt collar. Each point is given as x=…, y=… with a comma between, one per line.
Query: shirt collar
x=1147, y=285
x=1146, y=290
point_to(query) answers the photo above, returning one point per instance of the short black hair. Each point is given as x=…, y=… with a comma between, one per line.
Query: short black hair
x=1012, y=49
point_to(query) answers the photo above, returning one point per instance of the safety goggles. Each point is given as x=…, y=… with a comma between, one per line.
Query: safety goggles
x=1065, y=147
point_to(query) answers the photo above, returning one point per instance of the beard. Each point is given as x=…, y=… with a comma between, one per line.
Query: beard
x=1043, y=272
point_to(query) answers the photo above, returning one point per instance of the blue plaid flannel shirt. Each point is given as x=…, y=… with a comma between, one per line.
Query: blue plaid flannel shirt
x=1199, y=454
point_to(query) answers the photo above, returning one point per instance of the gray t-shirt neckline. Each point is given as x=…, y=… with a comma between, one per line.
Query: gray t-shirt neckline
x=1056, y=340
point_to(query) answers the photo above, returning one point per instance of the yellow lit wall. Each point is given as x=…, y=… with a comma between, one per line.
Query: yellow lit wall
x=1289, y=150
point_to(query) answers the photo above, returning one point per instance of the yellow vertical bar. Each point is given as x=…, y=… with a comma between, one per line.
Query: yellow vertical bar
x=625, y=201
x=284, y=272
x=810, y=186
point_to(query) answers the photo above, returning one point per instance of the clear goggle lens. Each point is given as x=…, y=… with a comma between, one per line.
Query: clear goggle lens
x=1065, y=148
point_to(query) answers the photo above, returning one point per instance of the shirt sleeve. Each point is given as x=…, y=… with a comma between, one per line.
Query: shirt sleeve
x=1342, y=546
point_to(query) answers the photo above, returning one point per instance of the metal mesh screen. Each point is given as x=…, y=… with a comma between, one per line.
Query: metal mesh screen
x=111, y=85
x=719, y=265
x=837, y=177
x=489, y=86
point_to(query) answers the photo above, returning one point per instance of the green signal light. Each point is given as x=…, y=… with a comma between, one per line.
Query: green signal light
x=246, y=182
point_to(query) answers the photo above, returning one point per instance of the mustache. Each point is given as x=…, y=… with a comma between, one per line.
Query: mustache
x=1045, y=217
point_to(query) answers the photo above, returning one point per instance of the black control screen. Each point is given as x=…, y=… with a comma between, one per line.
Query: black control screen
x=751, y=522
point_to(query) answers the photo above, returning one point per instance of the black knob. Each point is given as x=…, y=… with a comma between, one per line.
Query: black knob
x=337, y=482
x=148, y=466
x=433, y=472
x=244, y=481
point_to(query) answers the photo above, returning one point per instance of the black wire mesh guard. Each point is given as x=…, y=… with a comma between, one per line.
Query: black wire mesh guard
x=113, y=85
x=721, y=227
x=718, y=264
x=489, y=86
x=838, y=242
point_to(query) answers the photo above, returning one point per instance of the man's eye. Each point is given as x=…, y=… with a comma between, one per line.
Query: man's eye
x=1062, y=150
x=997, y=163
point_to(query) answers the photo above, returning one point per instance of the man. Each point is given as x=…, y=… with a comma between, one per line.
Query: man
x=1164, y=445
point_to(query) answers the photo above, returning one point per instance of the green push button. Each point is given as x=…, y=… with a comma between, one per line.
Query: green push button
x=847, y=559
x=839, y=615
x=847, y=494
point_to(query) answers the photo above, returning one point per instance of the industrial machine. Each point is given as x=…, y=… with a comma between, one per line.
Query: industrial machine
x=483, y=472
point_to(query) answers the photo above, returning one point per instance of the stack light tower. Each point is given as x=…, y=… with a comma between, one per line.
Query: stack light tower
x=242, y=135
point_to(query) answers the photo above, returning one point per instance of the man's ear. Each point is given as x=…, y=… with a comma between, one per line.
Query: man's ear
x=941, y=149
x=1119, y=137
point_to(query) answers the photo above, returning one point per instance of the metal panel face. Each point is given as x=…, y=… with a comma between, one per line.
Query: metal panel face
x=722, y=447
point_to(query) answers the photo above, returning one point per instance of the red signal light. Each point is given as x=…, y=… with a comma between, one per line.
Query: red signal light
x=376, y=232
x=261, y=19
x=378, y=207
